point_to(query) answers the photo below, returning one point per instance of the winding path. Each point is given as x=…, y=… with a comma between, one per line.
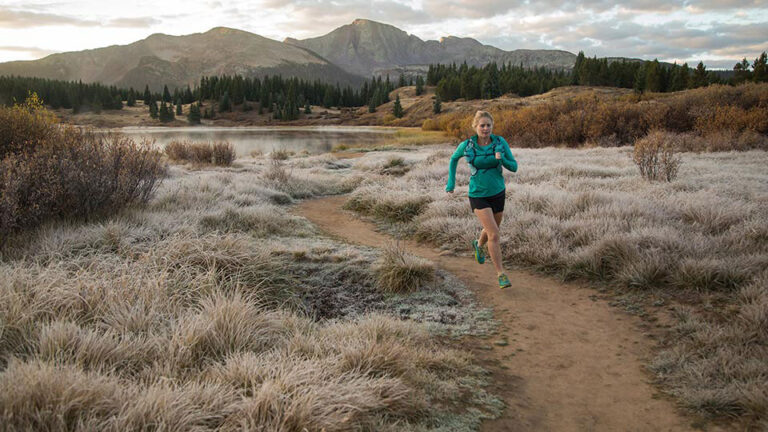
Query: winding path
x=572, y=363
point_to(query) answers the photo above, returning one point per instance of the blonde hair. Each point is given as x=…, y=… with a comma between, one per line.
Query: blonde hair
x=479, y=115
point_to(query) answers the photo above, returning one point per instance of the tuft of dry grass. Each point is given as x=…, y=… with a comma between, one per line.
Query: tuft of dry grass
x=399, y=271
x=387, y=203
x=206, y=153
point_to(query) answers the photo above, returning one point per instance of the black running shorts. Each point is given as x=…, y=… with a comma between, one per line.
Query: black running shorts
x=496, y=202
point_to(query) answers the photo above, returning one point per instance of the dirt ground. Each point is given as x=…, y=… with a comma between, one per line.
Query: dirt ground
x=563, y=360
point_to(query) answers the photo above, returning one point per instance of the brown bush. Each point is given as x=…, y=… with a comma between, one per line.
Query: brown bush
x=25, y=126
x=654, y=156
x=177, y=150
x=597, y=119
x=65, y=172
x=429, y=125
x=223, y=154
x=220, y=153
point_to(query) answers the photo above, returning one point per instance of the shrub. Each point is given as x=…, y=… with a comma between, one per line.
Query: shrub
x=429, y=125
x=223, y=154
x=654, y=156
x=280, y=155
x=78, y=174
x=25, y=126
x=592, y=117
x=277, y=172
x=219, y=153
x=399, y=272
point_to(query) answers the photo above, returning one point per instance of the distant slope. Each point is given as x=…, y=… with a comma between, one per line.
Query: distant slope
x=371, y=48
x=180, y=60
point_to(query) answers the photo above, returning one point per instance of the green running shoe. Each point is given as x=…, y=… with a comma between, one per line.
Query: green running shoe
x=479, y=253
x=504, y=281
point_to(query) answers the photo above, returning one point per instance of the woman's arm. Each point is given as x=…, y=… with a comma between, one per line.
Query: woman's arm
x=507, y=160
x=458, y=154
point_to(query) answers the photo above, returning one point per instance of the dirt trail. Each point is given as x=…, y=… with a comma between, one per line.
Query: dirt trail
x=572, y=362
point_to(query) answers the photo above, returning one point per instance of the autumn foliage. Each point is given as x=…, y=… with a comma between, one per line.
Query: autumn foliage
x=594, y=119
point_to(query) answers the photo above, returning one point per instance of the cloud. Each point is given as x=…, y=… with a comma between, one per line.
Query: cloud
x=318, y=17
x=700, y=6
x=24, y=19
x=137, y=22
x=32, y=52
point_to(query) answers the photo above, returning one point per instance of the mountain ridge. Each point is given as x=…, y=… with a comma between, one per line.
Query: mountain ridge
x=344, y=56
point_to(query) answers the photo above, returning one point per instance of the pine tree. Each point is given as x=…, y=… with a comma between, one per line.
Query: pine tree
x=372, y=105
x=700, y=77
x=328, y=97
x=147, y=95
x=131, y=100
x=224, y=103
x=436, y=105
x=178, y=107
x=166, y=94
x=193, y=117
x=397, y=109
x=419, y=85
x=165, y=114
x=307, y=109
x=401, y=81
x=760, y=68
x=741, y=72
x=153, y=109
x=653, y=77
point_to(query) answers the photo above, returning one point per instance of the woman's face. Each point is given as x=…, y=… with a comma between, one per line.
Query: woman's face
x=484, y=127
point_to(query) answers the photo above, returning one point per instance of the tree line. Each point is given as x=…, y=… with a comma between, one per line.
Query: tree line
x=490, y=81
x=74, y=95
x=653, y=76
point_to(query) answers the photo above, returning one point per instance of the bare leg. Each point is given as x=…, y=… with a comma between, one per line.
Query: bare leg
x=491, y=231
x=483, y=235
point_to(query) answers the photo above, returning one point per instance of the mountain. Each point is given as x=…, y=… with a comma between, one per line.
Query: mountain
x=368, y=48
x=180, y=60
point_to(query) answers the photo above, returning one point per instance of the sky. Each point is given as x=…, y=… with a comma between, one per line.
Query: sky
x=717, y=32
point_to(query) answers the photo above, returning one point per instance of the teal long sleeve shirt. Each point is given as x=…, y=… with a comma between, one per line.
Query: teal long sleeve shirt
x=488, y=180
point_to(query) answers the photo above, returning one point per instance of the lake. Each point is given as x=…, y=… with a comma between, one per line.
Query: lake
x=313, y=139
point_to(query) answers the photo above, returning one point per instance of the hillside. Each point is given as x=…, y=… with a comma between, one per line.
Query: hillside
x=178, y=61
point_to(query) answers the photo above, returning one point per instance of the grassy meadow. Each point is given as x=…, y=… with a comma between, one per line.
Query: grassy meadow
x=212, y=307
x=189, y=296
x=694, y=249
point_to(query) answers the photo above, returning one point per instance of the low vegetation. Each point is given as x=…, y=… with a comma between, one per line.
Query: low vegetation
x=205, y=153
x=655, y=156
x=399, y=271
x=696, y=242
x=213, y=308
x=49, y=172
x=739, y=113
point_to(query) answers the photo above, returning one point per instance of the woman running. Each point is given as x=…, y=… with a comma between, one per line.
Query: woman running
x=486, y=154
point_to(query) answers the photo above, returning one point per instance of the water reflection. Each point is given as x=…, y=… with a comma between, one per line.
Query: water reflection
x=313, y=139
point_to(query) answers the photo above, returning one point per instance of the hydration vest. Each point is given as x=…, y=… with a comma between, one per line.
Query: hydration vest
x=470, y=153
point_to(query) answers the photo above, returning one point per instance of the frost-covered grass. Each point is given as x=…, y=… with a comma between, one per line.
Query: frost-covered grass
x=700, y=240
x=213, y=307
